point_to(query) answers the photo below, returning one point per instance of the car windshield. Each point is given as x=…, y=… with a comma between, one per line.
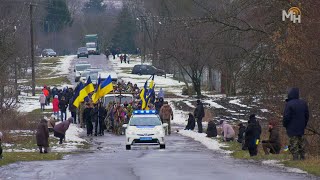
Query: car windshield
x=82, y=67
x=93, y=76
x=117, y=98
x=93, y=45
x=82, y=49
x=84, y=74
x=145, y=121
x=50, y=50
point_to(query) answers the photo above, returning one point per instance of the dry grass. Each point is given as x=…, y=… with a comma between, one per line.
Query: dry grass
x=12, y=157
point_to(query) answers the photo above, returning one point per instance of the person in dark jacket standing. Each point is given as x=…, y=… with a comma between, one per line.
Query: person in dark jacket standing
x=242, y=130
x=199, y=114
x=87, y=118
x=272, y=145
x=158, y=105
x=42, y=136
x=102, y=113
x=295, y=120
x=212, y=129
x=63, y=105
x=191, y=122
x=252, y=135
x=73, y=111
x=94, y=118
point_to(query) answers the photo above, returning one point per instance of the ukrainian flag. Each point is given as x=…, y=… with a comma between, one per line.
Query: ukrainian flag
x=143, y=97
x=104, y=88
x=95, y=96
x=84, y=92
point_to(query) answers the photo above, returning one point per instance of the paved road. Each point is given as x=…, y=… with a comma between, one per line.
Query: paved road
x=183, y=159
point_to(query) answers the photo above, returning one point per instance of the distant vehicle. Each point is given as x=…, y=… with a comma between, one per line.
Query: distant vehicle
x=48, y=53
x=92, y=43
x=95, y=69
x=93, y=76
x=83, y=77
x=147, y=70
x=117, y=98
x=145, y=127
x=83, y=52
x=104, y=75
x=79, y=68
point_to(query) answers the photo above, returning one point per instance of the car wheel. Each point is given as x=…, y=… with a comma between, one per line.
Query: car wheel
x=162, y=146
x=128, y=147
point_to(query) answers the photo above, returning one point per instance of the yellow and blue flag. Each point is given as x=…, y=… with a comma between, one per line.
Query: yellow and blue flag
x=103, y=88
x=147, y=93
x=95, y=96
x=84, y=92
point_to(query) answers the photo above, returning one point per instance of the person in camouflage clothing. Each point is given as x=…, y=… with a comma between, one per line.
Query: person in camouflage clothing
x=295, y=120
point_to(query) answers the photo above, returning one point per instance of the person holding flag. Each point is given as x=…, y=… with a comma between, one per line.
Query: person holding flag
x=102, y=89
x=82, y=92
x=146, y=93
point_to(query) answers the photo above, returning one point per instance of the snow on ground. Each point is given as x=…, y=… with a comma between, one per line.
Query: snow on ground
x=277, y=163
x=214, y=104
x=124, y=72
x=210, y=143
x=264, y=110
x=64, y=67
x=237, y=102
x=189, y=104
x=28, y=104
x=179, y=117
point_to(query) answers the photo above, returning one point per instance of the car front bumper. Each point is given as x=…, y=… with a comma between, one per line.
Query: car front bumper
x=135, y=140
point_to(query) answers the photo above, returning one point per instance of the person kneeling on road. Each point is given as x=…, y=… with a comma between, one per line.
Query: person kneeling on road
x=61, y=128
x=272, y=145
x=212, y=129
x=227, y=131
x=165, y=114
x=191, y=122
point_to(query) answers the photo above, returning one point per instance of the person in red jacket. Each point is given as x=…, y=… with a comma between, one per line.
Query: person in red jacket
x=55, y=106
x=46, y=93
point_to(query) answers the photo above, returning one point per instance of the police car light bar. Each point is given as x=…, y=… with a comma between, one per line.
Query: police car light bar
x=144, y=112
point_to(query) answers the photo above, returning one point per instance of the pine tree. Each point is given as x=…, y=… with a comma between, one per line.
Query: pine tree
x=58, y=16
x=125, y=32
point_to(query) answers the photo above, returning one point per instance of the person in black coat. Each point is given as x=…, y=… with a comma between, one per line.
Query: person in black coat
x=295, y=120
x=87, y=118
x=252, y=135
x=199, y=114
x=102, y=114
x=94, y=119
x=242, y=130
x=191, y=122
x=212, y=129
x=63, y=105
x=158, y=105
x=73, y=110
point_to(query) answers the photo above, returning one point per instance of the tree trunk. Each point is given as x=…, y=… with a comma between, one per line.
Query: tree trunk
x=197, y=86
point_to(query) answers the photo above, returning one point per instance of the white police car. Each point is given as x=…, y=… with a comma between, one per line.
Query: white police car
x=145, y=127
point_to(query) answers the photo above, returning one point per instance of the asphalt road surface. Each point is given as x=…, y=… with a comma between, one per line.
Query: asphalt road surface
x=183, y=159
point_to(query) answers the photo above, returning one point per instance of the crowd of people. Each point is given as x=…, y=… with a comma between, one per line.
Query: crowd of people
x=100, y=117
x=295, y=120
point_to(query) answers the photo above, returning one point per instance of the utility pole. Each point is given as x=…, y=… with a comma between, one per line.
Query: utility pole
x=33, y=81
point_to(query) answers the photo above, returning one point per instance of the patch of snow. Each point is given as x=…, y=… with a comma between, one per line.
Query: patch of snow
x=237, y=102
x=210, y=143
x=64, y=67
x=264, y=110
x=214, y=104
x=188, y=103
x=238, y=114
x=231, y=111
x=277, y=163
x=73, y=133
x=179, y=117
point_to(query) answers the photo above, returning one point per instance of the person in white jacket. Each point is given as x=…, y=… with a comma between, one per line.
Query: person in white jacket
x=42, y=100
x=227, y=131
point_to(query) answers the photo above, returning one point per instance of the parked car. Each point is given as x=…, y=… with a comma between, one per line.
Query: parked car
x=83, y=52
x=48, y=53
x=147, y=70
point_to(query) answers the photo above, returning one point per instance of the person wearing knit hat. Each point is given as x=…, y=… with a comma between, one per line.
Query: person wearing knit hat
x=272, y=145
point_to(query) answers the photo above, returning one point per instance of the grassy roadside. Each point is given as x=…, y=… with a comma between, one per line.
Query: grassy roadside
x=12, y=157
x=311, y=165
